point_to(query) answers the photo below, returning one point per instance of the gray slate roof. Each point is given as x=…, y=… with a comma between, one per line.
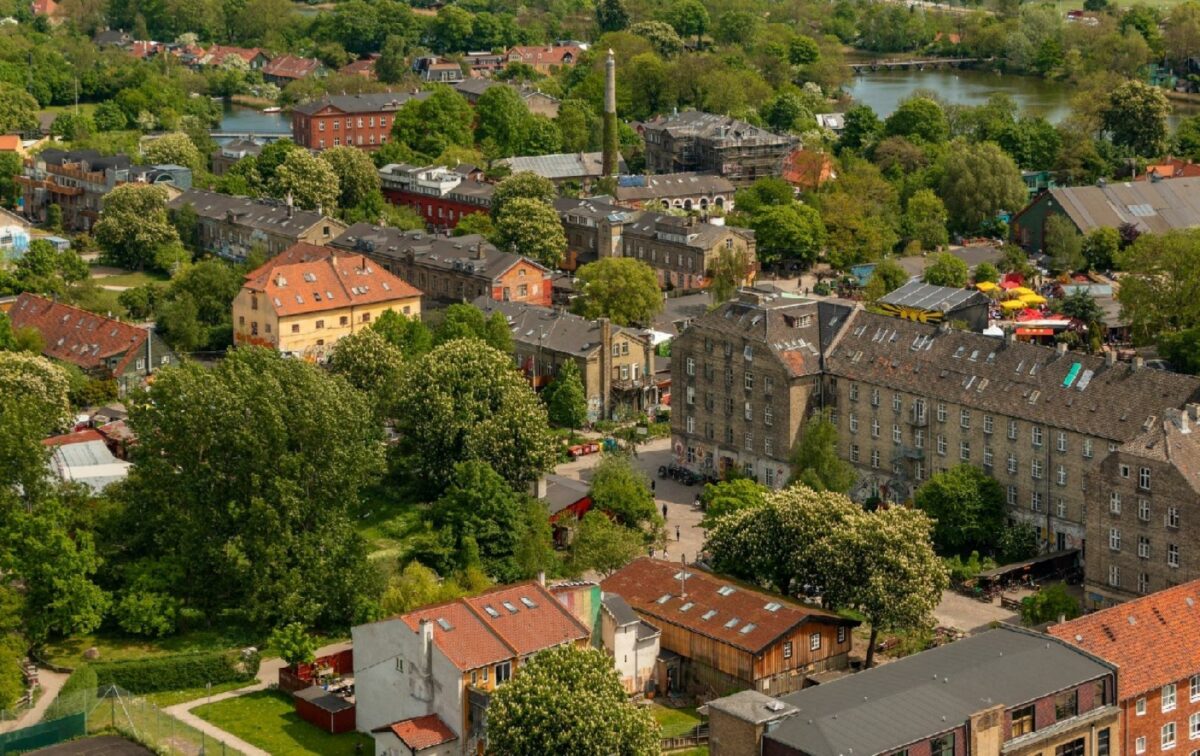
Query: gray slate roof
x=432, y=250
x=724, y=130
x=550, y=329
x=932, y=692
x=619, y=608
x=1014, y=378
x=922, y=296
x=266, y=215
x=370, y=102
x=593, y=208
x=670, y=185
x=699, y=234
x=752, y=706
x=1152, y=206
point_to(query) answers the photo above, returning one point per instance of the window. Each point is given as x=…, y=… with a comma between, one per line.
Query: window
x=343, y=320
x=853, y=452
x=943, y=745
x=747, y=411
x=1022, y=721
x=1194, y=726
x=1012, y=430
x=749, y=441
x=1194, y=689
x=1103, y=744
x=874, y=397
x=854, y=392
x=691, y=366
x=941, y=412
x=503, y=672
x=1036, y=469
x=768, y=415
x=1012, y=496
x=964, y=450
x=875, y=459
x=1168, y=735
x=1114, y=539
x=941, y=444
x=1114, y=579
x=1168, y=697
x=1087, y=448
x=987, y=456
x=1123, y=471
x=841, y=634
x=1172, y=516
x=749, y=381
x=729, y=405
x=1061, y=442
x=1060, y=510
x=964, y=418
x=690, y=393
x=1114, y=502
x=691, y=424
x=320, y=324
x=1172, y=555
x=1144, y=479
x=1066, y=705
x=874, y=427
x=366, y=318
x=1143, y=584
x=295, y=328
x=1060, y=475
x=897, y=437
x=1139, y=745
x=814, y=642
x=897, y=404
x=1144, y=510
x=987, y=423
x=1143, y=547
x=853, y=423
x=1035, y=501
x=768, y=384
x=919, y=439
x=787, y=649
x=1012, y=463
x=1035, y=436
x=141, y=363
x=1076, y=747
x=1140, y=707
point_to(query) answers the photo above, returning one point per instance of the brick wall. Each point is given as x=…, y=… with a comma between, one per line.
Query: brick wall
x=1149, y=725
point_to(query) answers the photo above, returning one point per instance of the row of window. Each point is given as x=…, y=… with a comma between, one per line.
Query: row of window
x=343, y=320
x=1171, y=519
x=337, y=123
x=1168, y=736
x=1143, y=547
x=350, y=142
x=768, y=415
x=748, y=378
x=768, y=443
x=814, y=642
x=1143, y=578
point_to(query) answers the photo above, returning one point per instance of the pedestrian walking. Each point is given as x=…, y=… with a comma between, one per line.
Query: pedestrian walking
x=653, y=484
x=676, y=532
x=664, y=511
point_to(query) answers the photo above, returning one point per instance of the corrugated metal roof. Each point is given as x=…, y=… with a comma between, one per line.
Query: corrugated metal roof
x=923, y=296
x=1152, y=206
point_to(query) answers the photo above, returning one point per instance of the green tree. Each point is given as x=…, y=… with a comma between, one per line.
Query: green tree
x=10, y=168
x=803, y=51
x=788, y=112
x=944, y=269
x=531, y=228
x=861, y=129
x=1187, y=138
x=887, y=276
x=764, y=193
x=1048, y=605
x=294, y=644
x=451, y=29
x=577, y=123
x=502, y=119
x=688, y=18
x=475, y=223
x=985, y=271
x=308, y=180
x=601, y=545
x=1063, y=244
x=978, y=182
x=728, y=271
x=70, y=127
x=792, y=232
x=371, y=364
x=195, y=311
x=661, y=36
x=44, y=269
x=918, y=119
x=464, y=321
x=622, y=490
x=175, y=149
x=18, y=110
x=569, y=700
x=229, y=498
x=925, y=220
x=1135, y=117
x=391, y=66
x=464, y=401
x=438, y=122
x=133, y=228
x=1100, y=248
x=728, y=496
x=523, y=185
x=622, y=289
x=815, y=462
x=566, y=401
x=611, y=15
x=355, y=175
x=860, y=210
x=967, y=507
x=409, y=335
x=1182, y=350
x=1162, y=276
x=109, y=116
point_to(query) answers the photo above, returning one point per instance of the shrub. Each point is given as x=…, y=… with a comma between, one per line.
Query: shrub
x=178, y=672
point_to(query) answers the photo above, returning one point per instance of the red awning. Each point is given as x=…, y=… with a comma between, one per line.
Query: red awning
x=1035, y=331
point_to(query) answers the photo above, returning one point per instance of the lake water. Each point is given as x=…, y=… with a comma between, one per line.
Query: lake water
x=242, y=119
x=883, y=91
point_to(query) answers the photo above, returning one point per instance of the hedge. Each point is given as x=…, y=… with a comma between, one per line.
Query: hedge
x=83, y=678
x=178, y=671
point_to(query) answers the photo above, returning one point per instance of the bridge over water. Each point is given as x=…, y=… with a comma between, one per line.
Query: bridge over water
x=920, y=64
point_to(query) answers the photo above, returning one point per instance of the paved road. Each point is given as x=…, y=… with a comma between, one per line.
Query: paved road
x=268, y=673
x=51, y=683
x=970, y=615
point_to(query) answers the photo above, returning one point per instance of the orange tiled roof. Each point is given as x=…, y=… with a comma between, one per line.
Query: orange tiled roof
x=1152, y=639
x=77, y=336
x=299, y=252
x=498, y=625
x=329, y=283
x=218, y=53
x=10, y=142
x=78, y=437
x=423, y=732
x=291, y=67
x=364, y=67
x=807, y=169
x=644, y=582
x=537, y=55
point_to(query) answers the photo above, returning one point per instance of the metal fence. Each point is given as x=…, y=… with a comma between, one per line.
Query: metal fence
x=113, y=709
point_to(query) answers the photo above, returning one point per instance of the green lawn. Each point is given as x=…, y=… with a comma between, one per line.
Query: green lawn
x=85, y=109
x=267, y=719
x=172, y=697
x=130, y=278
x=675, y=722
x=113, y=647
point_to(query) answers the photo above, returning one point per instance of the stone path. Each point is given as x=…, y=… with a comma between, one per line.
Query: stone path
x=51, y=683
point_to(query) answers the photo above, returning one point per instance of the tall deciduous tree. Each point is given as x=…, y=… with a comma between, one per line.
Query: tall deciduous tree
x=438, y=122
x=371, y=364
x=1063, y=244
x=531, y=228
x=1158, y=292
x=604, y=546
x=177, y=149
x=18, y=109
x=946, y=270
x=308, y=180
x=622, y=490
x=727, y=272
x=978, y=182
x=502, y=119
x=463, y=321
x=230, y=499
x=566, y=402
x=888, y=276
x=815, y=461
x=526, y=185
x=1136, y=117
x=409, y=335
x=728, y=496
x=918, y=119
x=925, y=220
x=133, y=228
x=611, y=15
x=569, y=700
x=792, y=232
x=967, y=507
x=464, y=401
x=621, y=289
x=357, y=180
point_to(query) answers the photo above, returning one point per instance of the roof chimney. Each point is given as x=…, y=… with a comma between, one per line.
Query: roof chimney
x=477, y=251
x=1139, y=363
x=541, y=578
x=1179, y=417
x=1060, y=348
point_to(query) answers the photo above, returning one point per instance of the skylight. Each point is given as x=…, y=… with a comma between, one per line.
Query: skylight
x=444, y=624
x=528, y=602
x=732, y=623
x=773, y=606
x=747, y=628
x=509, y=606
x=686, y=606
x=663, y=598
x=725, y=590
x=709, y=614
x=491, y=610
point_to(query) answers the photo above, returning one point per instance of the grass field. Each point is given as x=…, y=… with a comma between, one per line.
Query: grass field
x=129, y=278
x=675, y=722
x=171, y=697
x=69, y=652
x=267, y=719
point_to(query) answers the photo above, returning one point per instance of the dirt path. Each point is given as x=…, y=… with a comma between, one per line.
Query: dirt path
x=51, y=683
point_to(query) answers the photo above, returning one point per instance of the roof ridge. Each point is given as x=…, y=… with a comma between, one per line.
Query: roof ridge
x=488, y=625
x=55, y=303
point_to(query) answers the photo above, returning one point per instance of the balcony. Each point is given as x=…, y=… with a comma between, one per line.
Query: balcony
x=918, y=419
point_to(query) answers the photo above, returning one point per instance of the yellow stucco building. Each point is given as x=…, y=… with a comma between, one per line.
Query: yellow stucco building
x=305, y=299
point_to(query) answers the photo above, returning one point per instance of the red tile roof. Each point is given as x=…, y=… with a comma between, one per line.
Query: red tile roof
x=644, y=582
x=10, y=142
x=364, y=68
x=1152, y=639
x=299, y=252
x=423, y=732
x=77, y=336
x=479, y=637
x=807, y=169
x=329, y=283
x=536, y=55
x=291, y=67
x=78, y=437
x=217, y=53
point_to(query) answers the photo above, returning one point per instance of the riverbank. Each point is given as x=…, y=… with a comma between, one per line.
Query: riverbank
x=250, y=101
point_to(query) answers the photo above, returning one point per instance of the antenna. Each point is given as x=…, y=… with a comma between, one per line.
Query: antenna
x=683, y=576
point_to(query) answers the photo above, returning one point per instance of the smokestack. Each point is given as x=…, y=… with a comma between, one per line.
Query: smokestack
x=610, y=154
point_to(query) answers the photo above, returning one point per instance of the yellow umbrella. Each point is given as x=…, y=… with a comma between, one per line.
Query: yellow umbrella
x=1033, y=299
x=1021, y=291
x=986, y=286
x=1013, y=304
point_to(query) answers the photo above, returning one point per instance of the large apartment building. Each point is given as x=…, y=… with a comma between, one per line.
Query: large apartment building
x=697, y=141
x=682, y=250
x=232, y=226
x=442, y=196
x=361, y=120
x=911, y=399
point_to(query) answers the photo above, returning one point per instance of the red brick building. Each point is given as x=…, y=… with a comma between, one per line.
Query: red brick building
x=545, y=59
x=362, y=120
x=1155, y=643
x=441, y=196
